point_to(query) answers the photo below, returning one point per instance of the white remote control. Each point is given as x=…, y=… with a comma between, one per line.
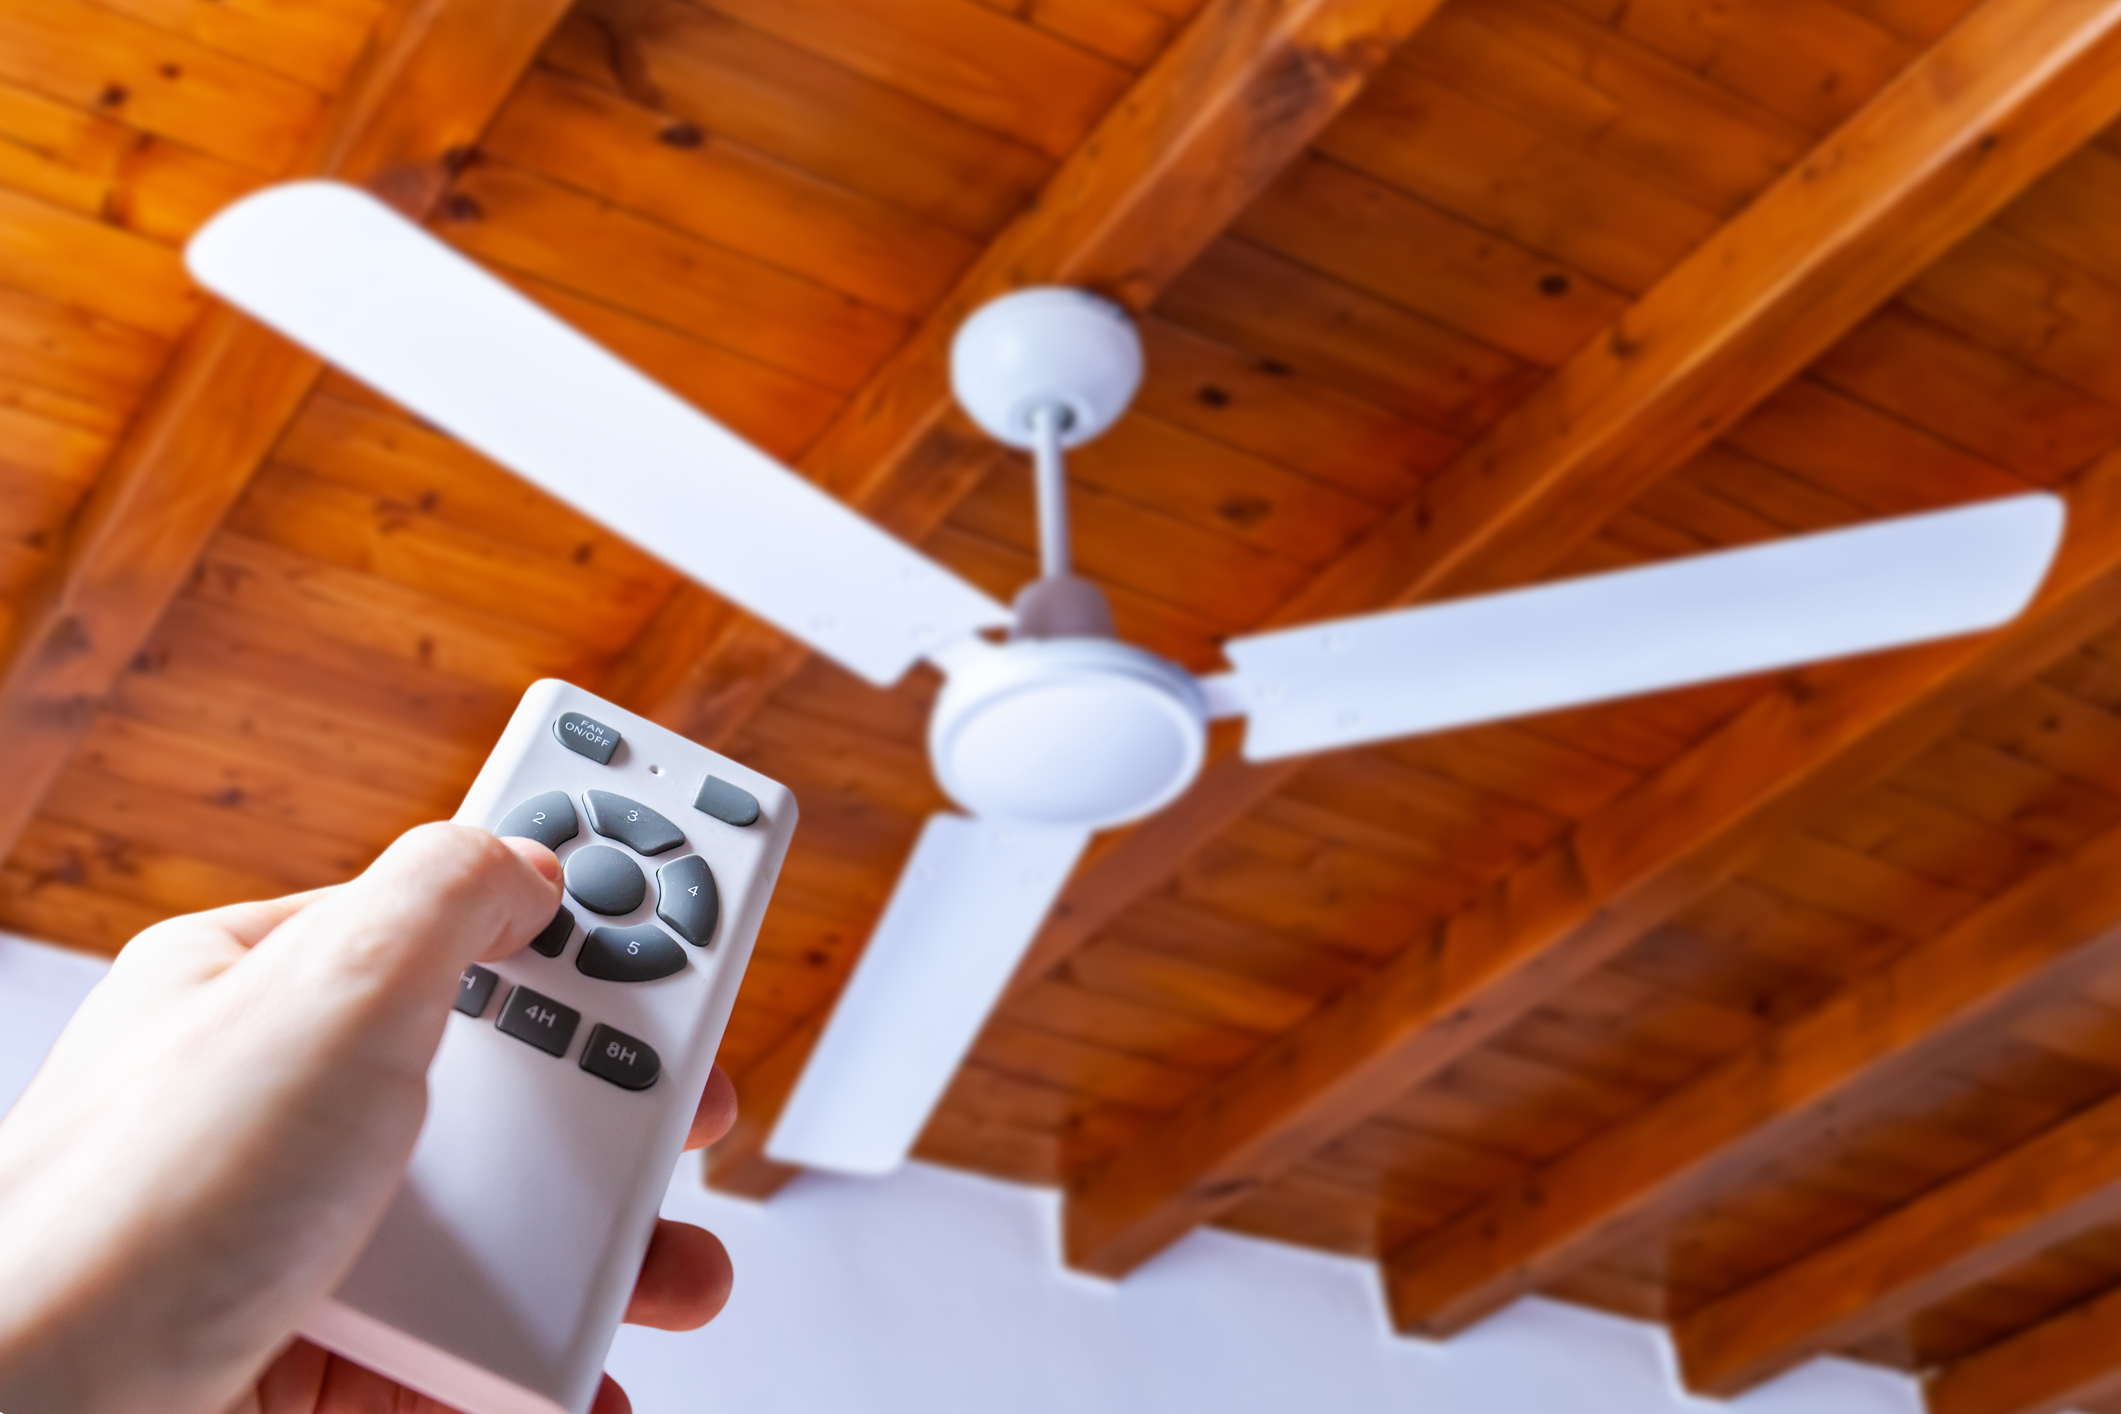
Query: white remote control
x=567, y=1079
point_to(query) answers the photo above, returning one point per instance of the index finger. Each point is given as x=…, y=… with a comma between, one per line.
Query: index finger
x=717, y=1112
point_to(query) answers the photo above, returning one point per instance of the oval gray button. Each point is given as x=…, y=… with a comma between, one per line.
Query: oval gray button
x=605, y=880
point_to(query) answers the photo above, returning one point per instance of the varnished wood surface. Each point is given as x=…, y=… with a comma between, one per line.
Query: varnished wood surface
x=1568, y=285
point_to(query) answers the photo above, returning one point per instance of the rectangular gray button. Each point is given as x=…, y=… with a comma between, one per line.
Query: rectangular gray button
x=536, y=1018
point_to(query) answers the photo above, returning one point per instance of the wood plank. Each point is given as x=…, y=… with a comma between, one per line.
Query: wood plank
x=2059, y=1364
x=1854, y=885
x=1784, y=1090
x=2060, y=1183
x=314, y=43
x=1558, y=199
x=958, y=55
x=1900, y=184
x=1128, y=32
x=1813, y=61
x=2003, y=410
x=397, y=542
x=96, y=267
x=1412, y=365
x=1426, y=260
x=718, y=76
x=55, y=851
x=1619, y=874
x=524, y=223
x=426, y=89
x=1999, y=291
x=1266, y=409
x=361, y=610
x=99, y=167
x=1580, y=79
x=158, y=81
x=1236, y=96
x=703, y=184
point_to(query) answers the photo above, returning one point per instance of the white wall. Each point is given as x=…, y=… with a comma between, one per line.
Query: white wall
x=942, y=1293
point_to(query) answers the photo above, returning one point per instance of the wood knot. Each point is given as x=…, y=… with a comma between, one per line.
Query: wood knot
x=65, y=641
x=685, y=135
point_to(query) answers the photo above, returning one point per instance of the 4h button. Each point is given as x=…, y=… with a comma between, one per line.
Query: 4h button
x=626, y=1062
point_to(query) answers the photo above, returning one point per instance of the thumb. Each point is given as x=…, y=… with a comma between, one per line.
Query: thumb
x=439, y=898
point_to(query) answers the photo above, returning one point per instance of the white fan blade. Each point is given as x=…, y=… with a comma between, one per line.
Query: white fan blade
x=1605, y=636
x=971, y=899
x=355, y=283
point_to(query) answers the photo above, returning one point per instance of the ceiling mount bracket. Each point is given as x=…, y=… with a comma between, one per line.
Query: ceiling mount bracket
x=1046, y=347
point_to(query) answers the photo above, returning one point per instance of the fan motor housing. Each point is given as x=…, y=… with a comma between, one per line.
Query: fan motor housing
x=1082, y=732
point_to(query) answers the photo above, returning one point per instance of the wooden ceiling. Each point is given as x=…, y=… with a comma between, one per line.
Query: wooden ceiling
x=1786, y=1011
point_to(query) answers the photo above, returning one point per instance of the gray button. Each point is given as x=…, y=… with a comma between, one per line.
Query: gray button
x=626, y=1062
x=605, y=880
x=548, y=819
x=553, y=941
x=638, y=954
x=687, y=899
x=544, y=1023
x=732, y=805
x=631, y=823
x=475, y=990
x=586, y=735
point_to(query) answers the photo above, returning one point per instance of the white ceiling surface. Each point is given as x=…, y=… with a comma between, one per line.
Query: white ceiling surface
x=937, y=1292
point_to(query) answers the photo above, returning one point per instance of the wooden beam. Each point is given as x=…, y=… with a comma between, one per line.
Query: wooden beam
x=2009, y=92
x=2070, y=1361
x=2043, y=937
x=433, y=76
x=2053, y=1187
x=1232, y=100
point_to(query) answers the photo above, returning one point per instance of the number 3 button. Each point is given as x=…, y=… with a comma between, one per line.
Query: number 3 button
x=639, y=954
x=687, y=899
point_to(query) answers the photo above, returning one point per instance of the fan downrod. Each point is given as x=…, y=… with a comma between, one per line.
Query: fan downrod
x=1062, y=726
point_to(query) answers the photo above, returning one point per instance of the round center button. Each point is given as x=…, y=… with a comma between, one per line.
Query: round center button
x=605, y=880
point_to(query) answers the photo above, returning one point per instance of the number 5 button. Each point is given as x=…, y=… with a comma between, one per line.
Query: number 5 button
x=638, y=954
x=688, y=900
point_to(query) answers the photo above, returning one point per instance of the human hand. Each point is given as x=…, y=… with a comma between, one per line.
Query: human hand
x=218, y=1130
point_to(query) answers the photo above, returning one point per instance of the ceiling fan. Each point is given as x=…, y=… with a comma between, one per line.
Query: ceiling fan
x=1059, y=729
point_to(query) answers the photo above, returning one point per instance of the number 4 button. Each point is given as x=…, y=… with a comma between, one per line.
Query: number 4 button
x=688, y=900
